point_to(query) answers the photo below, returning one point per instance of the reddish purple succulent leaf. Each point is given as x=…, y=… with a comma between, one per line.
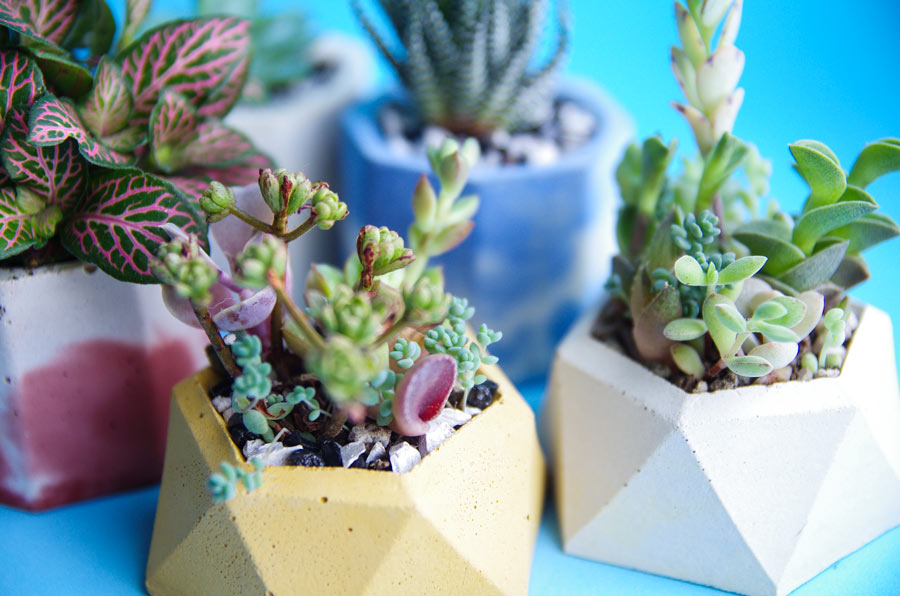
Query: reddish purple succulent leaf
x=56, y=173
x=248, y=312
x=45, y=20
x=117, y=225
x=107, y=107
x=20, y=81
x=422, y=392
x=194, y=180
x=53, y=120
x=16, y=232
x=204, y=59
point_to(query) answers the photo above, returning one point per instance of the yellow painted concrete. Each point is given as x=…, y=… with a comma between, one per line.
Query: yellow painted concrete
x=463, y=521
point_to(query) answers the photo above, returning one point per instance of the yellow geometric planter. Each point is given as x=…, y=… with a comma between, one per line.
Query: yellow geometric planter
x=462, y=521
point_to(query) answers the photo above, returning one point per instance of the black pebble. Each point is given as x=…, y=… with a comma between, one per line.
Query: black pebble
x=331, y=453
x=359, y=462
x=240, y=435
x=294, y=438
x=302, y=457
x=481, y=396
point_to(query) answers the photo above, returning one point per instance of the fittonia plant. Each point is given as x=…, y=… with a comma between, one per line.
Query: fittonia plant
x=102, y=146
x=470, y=65
x=707, y=283
x=279, y=46
x=377, y=338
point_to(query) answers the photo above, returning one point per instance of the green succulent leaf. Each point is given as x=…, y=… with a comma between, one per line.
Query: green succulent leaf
x=689, y=272
x=875, y=160
x=685, y=329
x=727, y=155
x=749, y=366
x=741, y=269
x=822, y=171
x=794, y=310
x=816, y=269
x=867, y=231
x=729, y=316
x=255, y=422
x=817, y=222
x=852, y=271
x=768, y=238
x=775, y=332
x=721, y=334
x=688, y=360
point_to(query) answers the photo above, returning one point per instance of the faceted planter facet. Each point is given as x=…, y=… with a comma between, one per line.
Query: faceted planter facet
x=754, y=490
x=87, y=365
x=462, y=521
x=538, y=253
x=299, y=129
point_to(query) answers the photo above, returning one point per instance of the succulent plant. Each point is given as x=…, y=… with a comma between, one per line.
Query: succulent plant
x=100, y=149
x=379, y=337
x=708, y=285
x=279, y=45
x=469, y=64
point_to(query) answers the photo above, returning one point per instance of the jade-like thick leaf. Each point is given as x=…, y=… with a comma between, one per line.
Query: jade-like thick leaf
x=107, y=108
x=56, y=174
x=820, y=168
x=117, y=225
x=16, y=231
x=875, y=160
x=867, y=231
x=43, y=20
x=20, y=81
x=180, y=138
x=815, y=270
x=53, y=120
x=194, y=180
x=814, y=224
x=203, y=59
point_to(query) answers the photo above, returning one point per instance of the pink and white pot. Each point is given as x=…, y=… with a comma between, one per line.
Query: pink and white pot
x=87, y=365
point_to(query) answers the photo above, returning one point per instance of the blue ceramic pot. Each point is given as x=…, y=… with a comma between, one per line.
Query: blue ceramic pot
x=543, y=236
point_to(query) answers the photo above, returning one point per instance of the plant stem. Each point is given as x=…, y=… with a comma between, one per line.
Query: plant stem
x=392, y=331
x=293, y=311
x=277, y=319
x=303, y=228
x=215, y=340
x=252, y=221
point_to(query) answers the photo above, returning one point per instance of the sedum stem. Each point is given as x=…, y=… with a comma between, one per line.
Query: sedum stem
x=215, y=339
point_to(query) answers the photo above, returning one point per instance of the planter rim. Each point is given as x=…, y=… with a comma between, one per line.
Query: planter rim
x=325, y=476
x=599, y=349
x=352, y=67
x=613, y=128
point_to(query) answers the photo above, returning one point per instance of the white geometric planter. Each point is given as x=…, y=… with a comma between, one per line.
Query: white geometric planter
x=299, y=130
x=87, y=365
x=754, y=490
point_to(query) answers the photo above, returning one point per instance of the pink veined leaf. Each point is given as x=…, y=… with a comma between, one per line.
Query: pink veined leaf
x=16, y=231
x=204, y=59
x=44, y=20
x=194, y=180
x=20, y=81
x=107, y=107
x=117, y=225
x=61, y=73
x=53, y=120
x=422, y=392
x=173, y=123
x=126, y=140
x=56, y=173
x=217, y=145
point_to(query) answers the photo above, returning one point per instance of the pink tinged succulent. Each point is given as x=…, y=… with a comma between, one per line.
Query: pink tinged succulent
x=232, y=308
x=422, y=393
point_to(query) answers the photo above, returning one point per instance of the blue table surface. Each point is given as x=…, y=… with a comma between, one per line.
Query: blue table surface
x=823, y=69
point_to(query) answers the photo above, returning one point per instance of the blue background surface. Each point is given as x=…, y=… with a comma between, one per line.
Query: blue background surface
x=823, y=69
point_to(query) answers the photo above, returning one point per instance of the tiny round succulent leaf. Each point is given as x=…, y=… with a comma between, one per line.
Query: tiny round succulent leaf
x=687, y=360
x=749, y=366
x=769, y=310
x=255, y=422
x=730, y=317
